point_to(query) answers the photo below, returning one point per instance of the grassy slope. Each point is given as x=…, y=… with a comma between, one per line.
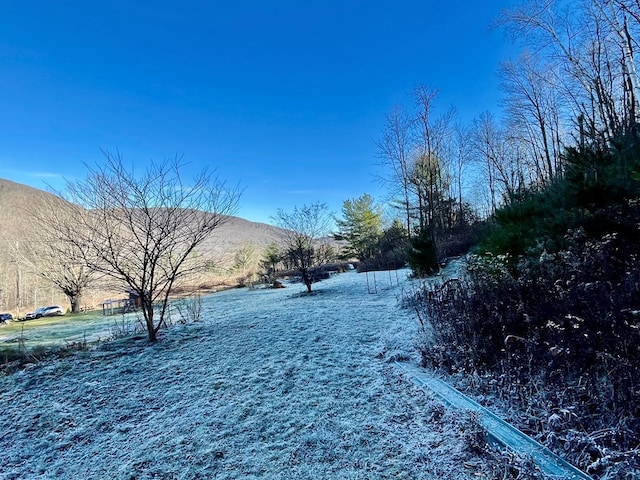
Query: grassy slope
x=271, y=384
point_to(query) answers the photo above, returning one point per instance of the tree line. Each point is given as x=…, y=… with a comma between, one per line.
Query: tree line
x=545, y=314
x=572, y=88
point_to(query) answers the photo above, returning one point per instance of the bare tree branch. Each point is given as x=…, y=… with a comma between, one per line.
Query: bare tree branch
x=144, y=230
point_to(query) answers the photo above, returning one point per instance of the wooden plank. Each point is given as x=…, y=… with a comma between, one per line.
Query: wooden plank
x=497, y=429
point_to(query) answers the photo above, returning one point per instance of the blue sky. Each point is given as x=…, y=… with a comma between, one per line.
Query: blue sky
x=286, y=98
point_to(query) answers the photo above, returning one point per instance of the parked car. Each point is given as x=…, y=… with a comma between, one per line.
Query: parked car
x=37, y=313
x=5, y=317
x=50, y=311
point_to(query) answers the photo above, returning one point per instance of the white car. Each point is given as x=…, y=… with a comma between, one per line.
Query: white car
x=50, y=311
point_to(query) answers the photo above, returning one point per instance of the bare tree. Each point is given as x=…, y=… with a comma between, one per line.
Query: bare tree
x=462, y=148
x=616, y=13
x=486, y=144
x=592, y=43
x=533, y=108
x=430, y=174
x=58, y=262
x=144, y=230
x=394, y=149
x=48, y=256
x=303, y=231
x=500, y=156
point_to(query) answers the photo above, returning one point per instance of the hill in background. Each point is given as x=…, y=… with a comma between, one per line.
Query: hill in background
x=16, y=224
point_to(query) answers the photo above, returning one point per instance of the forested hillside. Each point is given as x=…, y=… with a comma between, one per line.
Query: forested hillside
x=23, y=289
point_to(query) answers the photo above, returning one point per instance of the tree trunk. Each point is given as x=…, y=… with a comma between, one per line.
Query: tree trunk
x=75, y=303
x=152, y=334
x=306, y=278
x=147, y=310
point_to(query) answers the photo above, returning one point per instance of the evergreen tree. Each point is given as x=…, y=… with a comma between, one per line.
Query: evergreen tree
x=271, y=257
x=361, y=226
x=394, y=245
x=422, y=255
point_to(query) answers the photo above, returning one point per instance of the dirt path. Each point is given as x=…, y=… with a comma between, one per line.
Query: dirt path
x=273, y=384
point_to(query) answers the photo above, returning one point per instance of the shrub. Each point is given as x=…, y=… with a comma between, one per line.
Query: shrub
x=423, y=256
x=559, y=334
x=549, y=308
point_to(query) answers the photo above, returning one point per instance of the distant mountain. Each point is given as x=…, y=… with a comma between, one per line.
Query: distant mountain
x=15, y=201
x=14, y=222
x=14, y=198
x=237, y=232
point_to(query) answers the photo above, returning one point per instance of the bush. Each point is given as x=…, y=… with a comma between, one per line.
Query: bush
x=423, y=256
x=559, y=336
x=547, y=316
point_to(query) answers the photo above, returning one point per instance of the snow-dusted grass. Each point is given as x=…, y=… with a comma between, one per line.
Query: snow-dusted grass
x=271, y=384
x=53, y=332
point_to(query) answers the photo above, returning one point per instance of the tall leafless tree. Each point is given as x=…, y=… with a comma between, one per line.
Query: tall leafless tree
x=486, y=141
x=533, y=111
x=394, y=148
x=592, y=42
x=46, y=254
x=462, y=155
x=144, y=230
x=431, y=174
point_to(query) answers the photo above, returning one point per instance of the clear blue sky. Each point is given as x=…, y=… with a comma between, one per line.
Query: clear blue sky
x=285, y=97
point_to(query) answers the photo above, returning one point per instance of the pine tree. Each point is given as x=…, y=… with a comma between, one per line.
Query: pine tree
x=361, y=226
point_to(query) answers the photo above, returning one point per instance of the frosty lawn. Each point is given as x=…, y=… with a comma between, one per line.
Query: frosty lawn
x=273, y=384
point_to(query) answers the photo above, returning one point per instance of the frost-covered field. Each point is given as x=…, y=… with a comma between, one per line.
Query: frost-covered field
x=272, y=384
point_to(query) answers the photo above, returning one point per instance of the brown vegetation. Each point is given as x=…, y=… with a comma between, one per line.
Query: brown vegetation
x=556, y=341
